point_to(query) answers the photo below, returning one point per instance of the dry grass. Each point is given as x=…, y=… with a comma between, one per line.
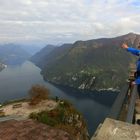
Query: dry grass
x=26, y=109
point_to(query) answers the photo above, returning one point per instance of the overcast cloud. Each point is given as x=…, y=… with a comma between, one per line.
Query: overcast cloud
x=60, y=21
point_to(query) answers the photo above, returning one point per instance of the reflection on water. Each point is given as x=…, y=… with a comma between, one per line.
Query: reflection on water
x=15, y=81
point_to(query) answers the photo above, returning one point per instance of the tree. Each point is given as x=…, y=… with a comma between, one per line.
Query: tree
x=38, y=93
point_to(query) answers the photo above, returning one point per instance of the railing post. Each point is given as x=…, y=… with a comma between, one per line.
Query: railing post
x=131, y=108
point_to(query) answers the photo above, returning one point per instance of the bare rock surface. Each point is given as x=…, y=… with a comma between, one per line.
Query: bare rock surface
x=30, y=130
x=117, y=130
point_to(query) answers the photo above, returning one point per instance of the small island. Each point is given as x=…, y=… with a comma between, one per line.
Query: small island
x=2, y=66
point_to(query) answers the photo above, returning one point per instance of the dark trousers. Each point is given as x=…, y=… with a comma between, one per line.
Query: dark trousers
x=138, y=89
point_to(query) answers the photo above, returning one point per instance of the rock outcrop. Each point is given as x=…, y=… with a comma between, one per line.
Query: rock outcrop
x=117, y=130
x=30, y=130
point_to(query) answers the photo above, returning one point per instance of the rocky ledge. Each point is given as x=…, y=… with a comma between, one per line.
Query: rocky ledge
x=29, y=129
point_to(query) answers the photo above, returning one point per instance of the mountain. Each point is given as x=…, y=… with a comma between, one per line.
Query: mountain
x=13, y=54
x=31, y=49
x=91, y=64
x=40, y=56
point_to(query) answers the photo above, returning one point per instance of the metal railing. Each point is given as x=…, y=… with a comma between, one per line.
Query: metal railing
x=119, y=102
x=123, y=99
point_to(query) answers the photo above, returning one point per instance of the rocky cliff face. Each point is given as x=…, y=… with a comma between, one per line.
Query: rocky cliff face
x=92, y=64
x=64, y=117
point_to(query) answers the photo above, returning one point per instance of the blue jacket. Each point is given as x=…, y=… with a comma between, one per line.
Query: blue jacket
x=136, y=52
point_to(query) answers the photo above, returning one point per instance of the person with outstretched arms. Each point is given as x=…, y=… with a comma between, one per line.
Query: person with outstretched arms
x=136, y=52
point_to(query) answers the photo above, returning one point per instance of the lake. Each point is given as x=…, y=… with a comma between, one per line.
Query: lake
x=15, y=82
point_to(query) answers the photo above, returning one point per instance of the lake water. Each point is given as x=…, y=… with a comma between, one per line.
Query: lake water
x=15, y=81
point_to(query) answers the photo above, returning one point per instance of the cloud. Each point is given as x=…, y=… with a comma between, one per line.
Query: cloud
x=58, y=21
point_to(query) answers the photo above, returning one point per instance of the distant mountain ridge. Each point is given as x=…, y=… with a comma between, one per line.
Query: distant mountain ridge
x=91, y=64
x=12, y=54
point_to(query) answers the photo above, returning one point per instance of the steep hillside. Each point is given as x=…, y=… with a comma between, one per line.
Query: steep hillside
x=92, y=64
x=40, y=56
x=12, y=54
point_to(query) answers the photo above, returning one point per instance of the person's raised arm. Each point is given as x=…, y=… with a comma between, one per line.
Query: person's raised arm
x=124, y=46
x=132, y=50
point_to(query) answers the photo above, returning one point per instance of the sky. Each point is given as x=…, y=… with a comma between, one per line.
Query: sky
x=66, y=21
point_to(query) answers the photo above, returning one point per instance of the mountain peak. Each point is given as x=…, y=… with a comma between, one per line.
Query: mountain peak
x=131, y=33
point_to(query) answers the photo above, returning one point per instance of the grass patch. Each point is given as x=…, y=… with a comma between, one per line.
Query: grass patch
x=64, y=117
